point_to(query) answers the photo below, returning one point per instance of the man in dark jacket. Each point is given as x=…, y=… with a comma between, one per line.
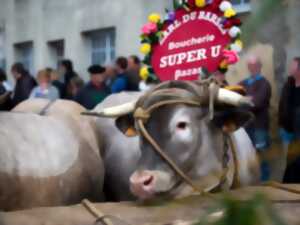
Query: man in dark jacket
x=289, y=121
x=95, y=91
x=134, y=66
x=121, y=81
x=68, y=73
x=259, y=89
x=24, y=83
x=289, y=106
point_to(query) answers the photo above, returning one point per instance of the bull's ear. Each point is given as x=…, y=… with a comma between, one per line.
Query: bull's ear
x=230, y=120
x=126, y=125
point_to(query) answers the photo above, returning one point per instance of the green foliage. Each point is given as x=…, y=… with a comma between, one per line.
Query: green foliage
x=266, y=9
x=257, y=211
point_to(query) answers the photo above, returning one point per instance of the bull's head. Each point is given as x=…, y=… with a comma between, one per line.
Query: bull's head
x=186, y=133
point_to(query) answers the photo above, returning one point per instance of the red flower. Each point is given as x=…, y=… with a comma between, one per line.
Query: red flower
x=231, y=57
x=191, y=3
x=214, y=6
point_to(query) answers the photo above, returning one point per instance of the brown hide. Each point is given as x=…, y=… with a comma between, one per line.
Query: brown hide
x=188, y=209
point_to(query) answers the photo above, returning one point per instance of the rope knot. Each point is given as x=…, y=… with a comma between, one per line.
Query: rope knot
x=141, y=114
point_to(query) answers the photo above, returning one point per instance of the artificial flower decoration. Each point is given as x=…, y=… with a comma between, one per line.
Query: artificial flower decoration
x=237, y=46
x=191, y=3
x=145, y=48
x=171, y=16
x=225, y=5
x=231, y=57
x=149, y=28
x=152, y=32
x=200, y=3
x=239, y=43
x=144, y=73
x=224, y=65
x=229, y=13
x=154, y=18
x=234, y=31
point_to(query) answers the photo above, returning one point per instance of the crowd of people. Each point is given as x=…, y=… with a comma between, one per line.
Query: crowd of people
x=65, y=83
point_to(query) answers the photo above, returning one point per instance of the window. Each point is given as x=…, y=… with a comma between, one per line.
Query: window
x=57, y=51
x=24, y=55
x=241, y=5
x=102, y=45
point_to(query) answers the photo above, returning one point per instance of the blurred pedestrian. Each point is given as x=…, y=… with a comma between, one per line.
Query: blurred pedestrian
x=24, y=83
x=259, y=89
x=5, y=92
x=76, y=84
x=134, y=66
x=289, y=121
x=95, y=91
x=56, y=82
x=110, y=75
x=121, y=82
x=45, y=89
x=67, y=71
x=289, y=106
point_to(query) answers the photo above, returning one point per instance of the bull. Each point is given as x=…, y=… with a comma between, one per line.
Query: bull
x=120, y=154
x=185, y=132
x=45, y=161
x=189, y=134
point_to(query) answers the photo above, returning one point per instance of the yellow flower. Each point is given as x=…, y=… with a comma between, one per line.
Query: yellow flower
x=224, y=64
x=144, y=73
x=154, y=18
x=229, y=13
x=239, y=43
x=145, y=48
x=200, y=3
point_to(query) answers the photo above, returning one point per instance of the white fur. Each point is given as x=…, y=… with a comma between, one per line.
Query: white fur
x=246, y=155
x=184, y=135
x=40, y=151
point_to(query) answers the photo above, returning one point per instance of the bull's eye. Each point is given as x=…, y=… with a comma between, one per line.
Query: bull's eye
x=182, y=125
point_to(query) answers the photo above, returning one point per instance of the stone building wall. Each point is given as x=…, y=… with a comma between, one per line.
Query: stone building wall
x=43, y=21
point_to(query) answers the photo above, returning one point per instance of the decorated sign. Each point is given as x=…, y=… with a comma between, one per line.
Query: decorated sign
x=197, y=35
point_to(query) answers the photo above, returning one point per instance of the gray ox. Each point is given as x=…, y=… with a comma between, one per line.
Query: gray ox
x=45, y=161
x=120, y=153
x=193, y=141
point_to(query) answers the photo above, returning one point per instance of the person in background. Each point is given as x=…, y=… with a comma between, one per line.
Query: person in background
x=5, y=92
x=45, y=89
x=289, y=121
x=76, y=84
x=67, y=71
x=134, y=66
x=24, y=83
x=121, y=82
x=220, y=77
x=110, y=75
x=55, y=81
x=95, y=91
x=259, y=90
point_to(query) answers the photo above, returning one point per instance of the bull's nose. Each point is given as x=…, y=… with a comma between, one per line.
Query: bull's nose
x=142, y=184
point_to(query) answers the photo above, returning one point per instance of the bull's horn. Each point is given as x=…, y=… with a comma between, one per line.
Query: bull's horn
x=233, y=98
x=115, y=111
